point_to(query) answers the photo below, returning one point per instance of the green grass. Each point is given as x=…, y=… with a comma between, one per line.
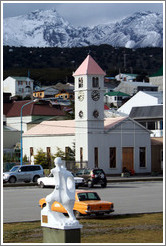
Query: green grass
x=143, y=228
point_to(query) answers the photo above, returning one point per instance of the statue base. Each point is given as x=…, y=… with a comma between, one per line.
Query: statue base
x=52, y=235
x=58, y=220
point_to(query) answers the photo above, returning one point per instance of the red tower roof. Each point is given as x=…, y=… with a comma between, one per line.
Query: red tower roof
x=89, y=66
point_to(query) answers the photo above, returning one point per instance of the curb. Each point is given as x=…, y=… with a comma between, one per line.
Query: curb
x=109, y=180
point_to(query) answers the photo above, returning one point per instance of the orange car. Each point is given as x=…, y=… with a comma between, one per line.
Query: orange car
x=86, y=203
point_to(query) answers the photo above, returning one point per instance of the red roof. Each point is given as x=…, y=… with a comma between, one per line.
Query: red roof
x=106, y=107
x=31, y=109
x=89, y=66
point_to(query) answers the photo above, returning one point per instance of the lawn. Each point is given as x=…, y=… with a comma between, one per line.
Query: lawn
x=142, y=228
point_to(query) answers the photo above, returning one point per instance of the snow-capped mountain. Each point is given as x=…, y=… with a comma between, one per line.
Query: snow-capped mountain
x=46, y=28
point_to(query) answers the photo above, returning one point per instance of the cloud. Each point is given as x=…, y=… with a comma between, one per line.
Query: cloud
x=84, y=14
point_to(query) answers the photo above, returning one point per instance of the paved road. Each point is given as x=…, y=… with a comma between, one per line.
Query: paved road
x=21, y=203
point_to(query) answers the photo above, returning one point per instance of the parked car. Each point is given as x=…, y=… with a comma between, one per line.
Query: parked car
x=24, y=173
x=50, y=181
x=86, y=203
x=93, y=177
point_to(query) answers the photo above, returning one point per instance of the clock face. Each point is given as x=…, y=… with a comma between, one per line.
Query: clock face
x=95, y=113
x=81, y=96
x=81, y=114
x=95, y=95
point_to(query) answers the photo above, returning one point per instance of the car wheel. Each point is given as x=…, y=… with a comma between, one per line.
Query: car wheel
x=42, y=185
x=90, y=185
x=35, y=178
x=103, y=185
x=12, y=180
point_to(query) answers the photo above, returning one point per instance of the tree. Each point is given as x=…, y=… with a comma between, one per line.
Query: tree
x=68, y=155
x=41, y=159
x=60, y=153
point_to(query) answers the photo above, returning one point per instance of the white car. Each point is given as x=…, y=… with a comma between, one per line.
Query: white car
x=49, y=181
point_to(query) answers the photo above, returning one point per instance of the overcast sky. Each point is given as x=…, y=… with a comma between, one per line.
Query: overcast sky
x=85, y=14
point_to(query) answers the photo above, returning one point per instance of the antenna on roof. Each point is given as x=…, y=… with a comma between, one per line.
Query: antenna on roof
x=28, y=73
x=89, y=52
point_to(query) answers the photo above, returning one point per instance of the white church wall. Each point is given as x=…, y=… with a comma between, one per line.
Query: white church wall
x=42, y=142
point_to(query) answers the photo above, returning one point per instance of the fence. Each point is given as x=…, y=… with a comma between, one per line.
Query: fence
x=73, y=165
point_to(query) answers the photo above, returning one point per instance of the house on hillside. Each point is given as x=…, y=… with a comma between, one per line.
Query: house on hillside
x=124, y=142
x=115, y=98
x=65, y=94
x=45, y=92
x=123, y=77
x=157, y=79
x=142, y=98
x=18, y=86
x=132, y=88
x=150, y=117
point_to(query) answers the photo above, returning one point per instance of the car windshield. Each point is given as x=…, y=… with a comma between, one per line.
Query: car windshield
x=84, y=196
x=14, y=169
x=99, y=171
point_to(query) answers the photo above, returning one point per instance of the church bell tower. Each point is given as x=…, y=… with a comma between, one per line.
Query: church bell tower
x=89, y=112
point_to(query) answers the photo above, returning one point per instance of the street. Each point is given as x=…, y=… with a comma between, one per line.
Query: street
x=21, y=203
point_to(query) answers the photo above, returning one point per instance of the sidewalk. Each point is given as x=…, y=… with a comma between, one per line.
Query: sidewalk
x=134, y=178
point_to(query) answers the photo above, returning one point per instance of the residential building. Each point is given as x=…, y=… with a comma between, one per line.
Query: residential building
x=11, y=137
x=157, y=79
x=132, y=88
x=45, y=92
x=150, y=117
x=123, y=77
x=111, y=143
x=65, y=94
x=115, y=98
x=18, y=86
x=30, y=113
x=142, y=98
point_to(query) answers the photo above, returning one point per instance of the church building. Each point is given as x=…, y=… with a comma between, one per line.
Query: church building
x=108, y=143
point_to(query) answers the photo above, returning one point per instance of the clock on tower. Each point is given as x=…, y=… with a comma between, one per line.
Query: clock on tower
x=89, y=108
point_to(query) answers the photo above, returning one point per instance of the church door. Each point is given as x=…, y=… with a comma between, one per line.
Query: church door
x=128, y=158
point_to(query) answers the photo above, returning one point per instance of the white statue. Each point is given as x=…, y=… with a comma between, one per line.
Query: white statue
x=63, y=193
x=32, y=160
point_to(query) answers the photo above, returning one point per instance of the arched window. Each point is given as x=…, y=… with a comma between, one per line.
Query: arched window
x=95, y=82
x=80, y=82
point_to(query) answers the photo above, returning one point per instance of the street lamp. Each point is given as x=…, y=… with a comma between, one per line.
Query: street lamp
x=35, y=100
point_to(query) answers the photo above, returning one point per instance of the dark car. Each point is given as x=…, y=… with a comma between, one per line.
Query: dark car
x=93, y=177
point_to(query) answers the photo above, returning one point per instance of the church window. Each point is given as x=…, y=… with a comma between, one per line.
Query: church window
x=80, y=82
x=112, y=157
x=96, y=157
x=142, y=156
x=95, y=82
x=49, y=156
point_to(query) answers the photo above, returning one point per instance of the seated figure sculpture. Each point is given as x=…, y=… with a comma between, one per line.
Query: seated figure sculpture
x=64, y=193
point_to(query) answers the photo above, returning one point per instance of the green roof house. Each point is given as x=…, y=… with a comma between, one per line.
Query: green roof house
x=115, y=98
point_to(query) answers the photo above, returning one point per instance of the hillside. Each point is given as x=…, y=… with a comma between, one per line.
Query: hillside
x=52, y=65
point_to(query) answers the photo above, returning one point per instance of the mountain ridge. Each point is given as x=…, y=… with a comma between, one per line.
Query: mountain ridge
x=47, y=28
